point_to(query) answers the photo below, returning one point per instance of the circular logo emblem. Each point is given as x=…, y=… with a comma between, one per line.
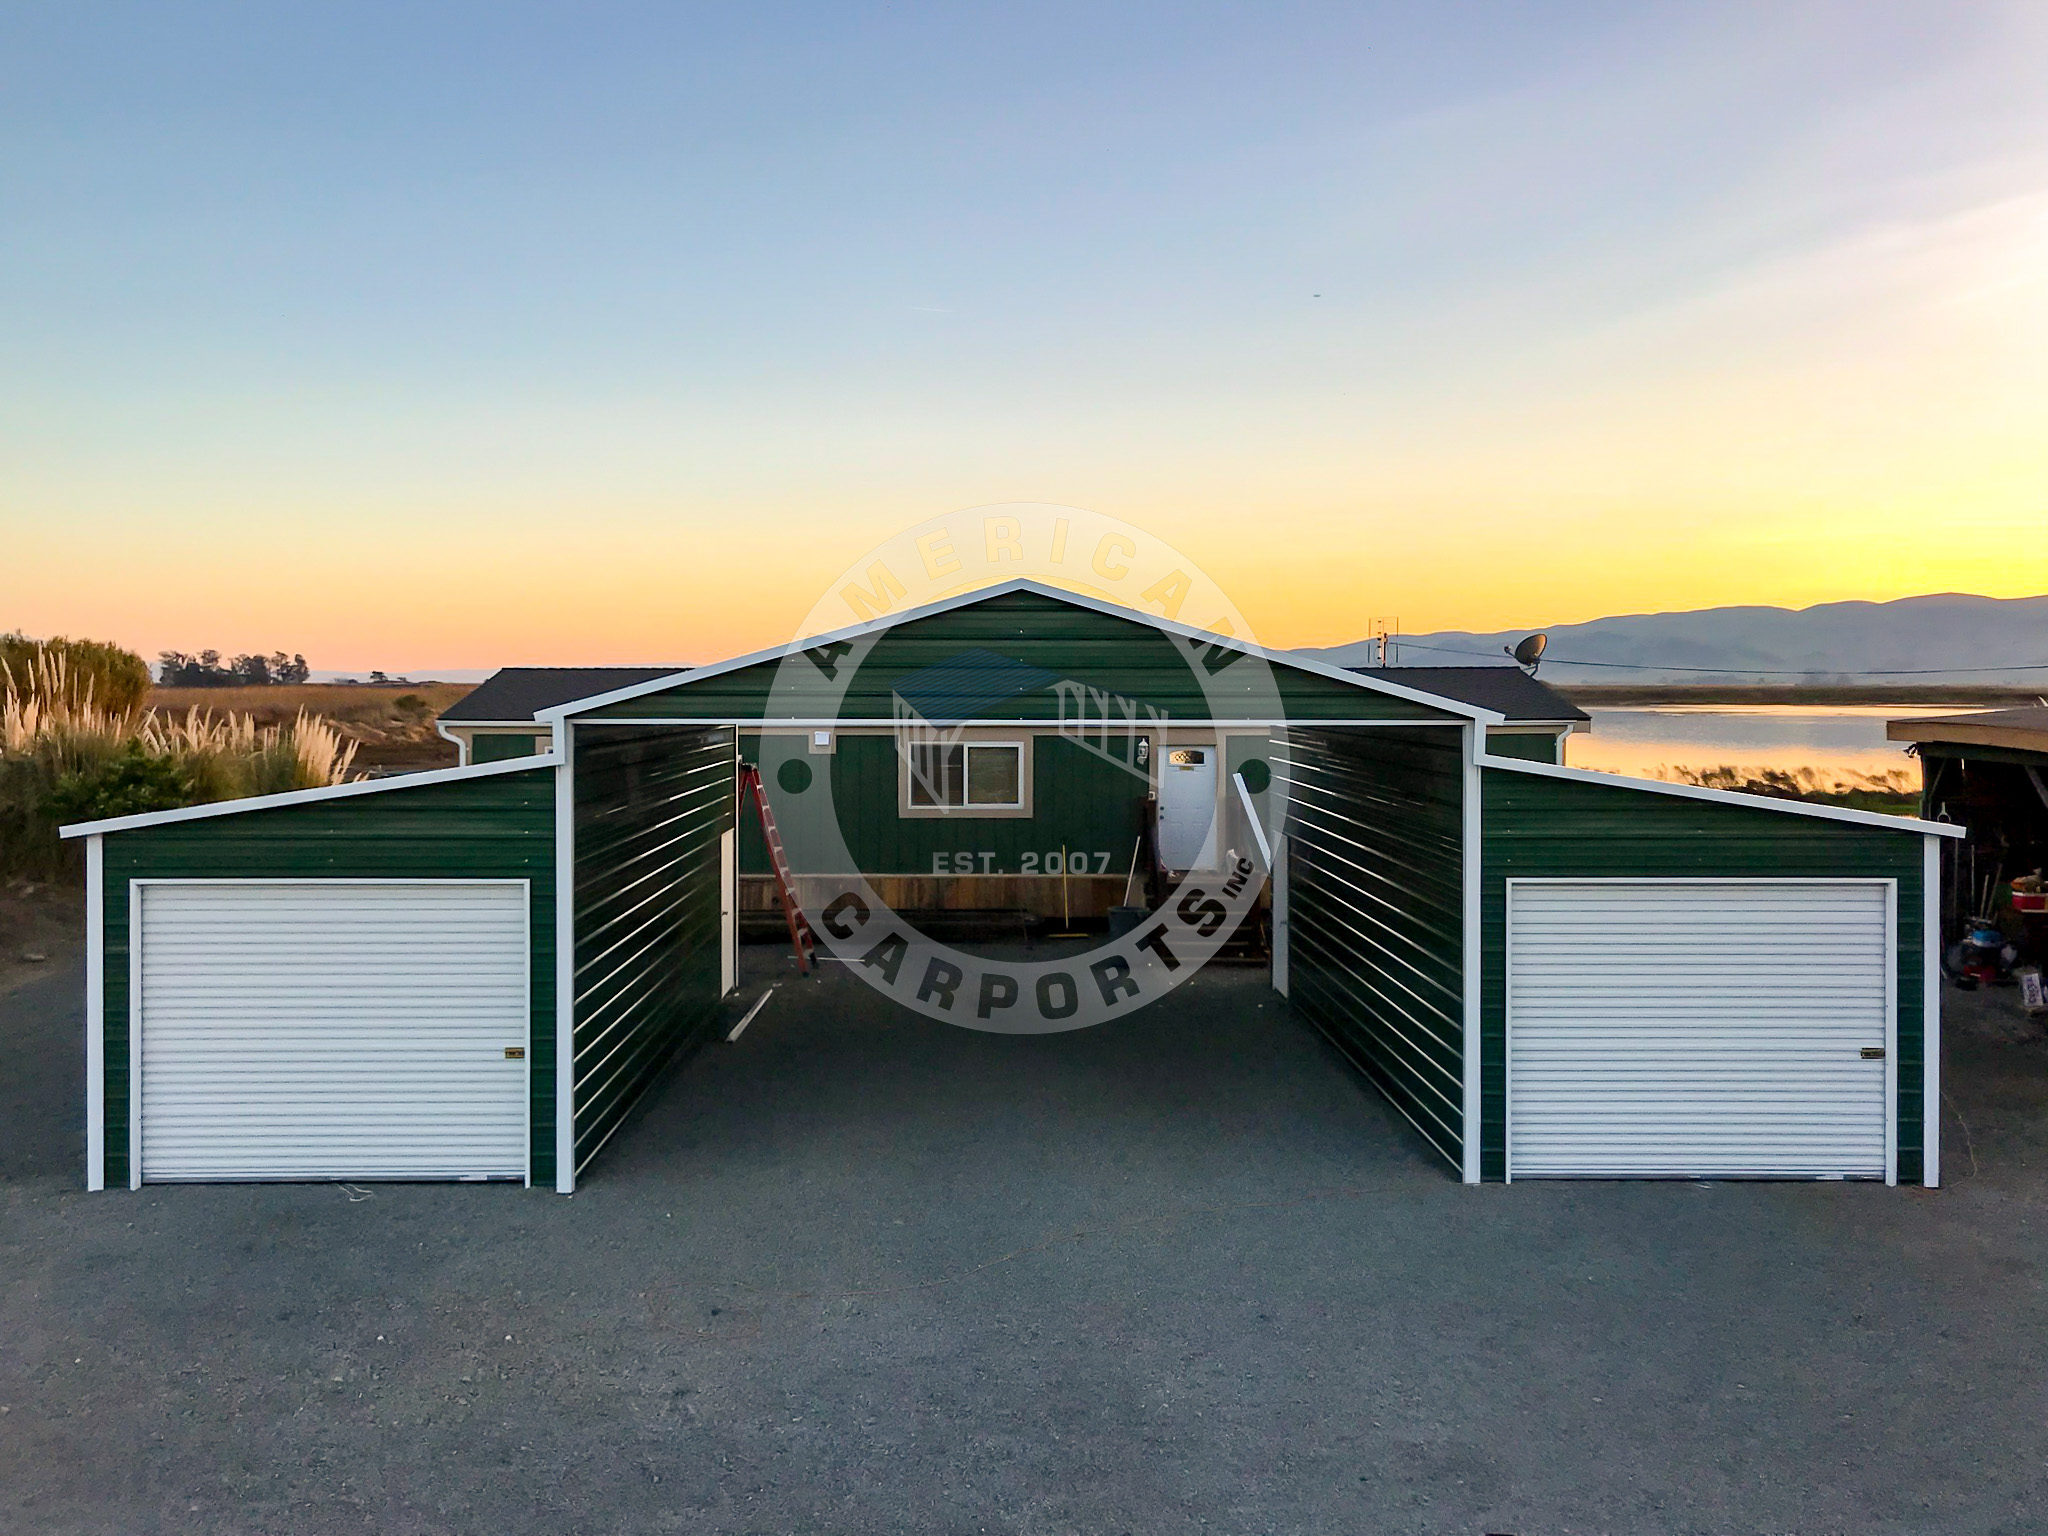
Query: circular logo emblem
x=1091, y=715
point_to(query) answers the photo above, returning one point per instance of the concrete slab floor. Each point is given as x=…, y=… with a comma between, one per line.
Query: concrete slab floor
x=862, y=1272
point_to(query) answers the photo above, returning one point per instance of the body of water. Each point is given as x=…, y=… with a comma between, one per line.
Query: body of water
x=1845, y=742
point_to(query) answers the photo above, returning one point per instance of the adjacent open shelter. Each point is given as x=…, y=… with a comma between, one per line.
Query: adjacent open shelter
x=1987, y=771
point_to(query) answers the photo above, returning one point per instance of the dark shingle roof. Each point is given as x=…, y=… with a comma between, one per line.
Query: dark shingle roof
x=1509, y=690
x=517, y=693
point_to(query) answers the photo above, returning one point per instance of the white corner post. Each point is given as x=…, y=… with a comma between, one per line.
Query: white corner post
x=1474, y=948
x=565, y=965
x=1277, y=750
x=1280, y=917
x=1891, y=1032
x=135, y=942
x=95, y=1013
x=1930, y=1011
x=729, y=884
x=728, y=911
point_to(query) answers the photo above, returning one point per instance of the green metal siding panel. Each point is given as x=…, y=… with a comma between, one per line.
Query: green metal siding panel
x=1078, y=801
x=1116, y=655
x=488, y=747
x=1375, y=897
x=650, y=808
x=1529, y=746
x=500, y=827
x=1537, y=826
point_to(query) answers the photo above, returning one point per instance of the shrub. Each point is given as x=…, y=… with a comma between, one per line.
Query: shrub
x=73, y=672
x=64, y=758
x=135, y=781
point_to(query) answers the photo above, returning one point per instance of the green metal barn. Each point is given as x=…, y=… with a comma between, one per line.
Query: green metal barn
x=478, y=973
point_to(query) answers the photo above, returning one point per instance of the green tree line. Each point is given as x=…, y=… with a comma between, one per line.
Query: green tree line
x=175, y=669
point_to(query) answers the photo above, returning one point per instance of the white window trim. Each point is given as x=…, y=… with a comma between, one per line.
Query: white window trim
x=1020, y=811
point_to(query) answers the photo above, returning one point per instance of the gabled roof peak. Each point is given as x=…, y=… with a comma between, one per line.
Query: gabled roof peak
x=1011, y=587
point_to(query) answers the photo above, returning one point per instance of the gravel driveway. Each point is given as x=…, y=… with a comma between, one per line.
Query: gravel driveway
x=860, y=1272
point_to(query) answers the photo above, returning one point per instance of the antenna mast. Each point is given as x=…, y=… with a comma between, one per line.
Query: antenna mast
x=1384, y=632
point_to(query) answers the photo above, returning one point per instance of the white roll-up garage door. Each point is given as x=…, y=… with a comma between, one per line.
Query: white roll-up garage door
x=1700, y=1028
x=331, y=1029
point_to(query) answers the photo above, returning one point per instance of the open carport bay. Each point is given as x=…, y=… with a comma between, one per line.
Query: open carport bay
x=863, y=1272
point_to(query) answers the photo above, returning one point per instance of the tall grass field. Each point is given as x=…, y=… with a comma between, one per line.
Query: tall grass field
x=78, y=743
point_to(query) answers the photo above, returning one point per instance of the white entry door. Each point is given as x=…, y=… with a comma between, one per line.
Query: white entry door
x=330, y=1029
x=1187, y=808
x=1701, y=1028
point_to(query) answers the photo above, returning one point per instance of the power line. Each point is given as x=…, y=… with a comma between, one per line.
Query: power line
x=1636, y=666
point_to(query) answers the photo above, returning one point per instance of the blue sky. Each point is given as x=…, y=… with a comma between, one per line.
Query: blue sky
x=447, y=334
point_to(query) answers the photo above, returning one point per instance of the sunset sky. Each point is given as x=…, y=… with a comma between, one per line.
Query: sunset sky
x=424, y=336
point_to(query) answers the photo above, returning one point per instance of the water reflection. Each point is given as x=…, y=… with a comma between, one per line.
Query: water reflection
x=1837, y=741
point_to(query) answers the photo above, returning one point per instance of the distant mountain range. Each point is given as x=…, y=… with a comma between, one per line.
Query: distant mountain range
x=1947, y=638
x=1832, y=643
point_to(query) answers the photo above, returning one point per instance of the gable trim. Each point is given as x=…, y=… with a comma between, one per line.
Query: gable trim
x=882, y=727
x=293, y=797
x=1873, y=819
x=1285, y=659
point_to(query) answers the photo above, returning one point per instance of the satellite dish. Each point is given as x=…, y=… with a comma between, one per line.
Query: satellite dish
x=1530, y=651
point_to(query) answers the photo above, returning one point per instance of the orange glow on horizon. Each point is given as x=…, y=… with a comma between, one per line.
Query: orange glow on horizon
x=677, y=597
x=1663, y=316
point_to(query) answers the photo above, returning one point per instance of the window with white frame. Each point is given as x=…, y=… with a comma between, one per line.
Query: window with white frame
x=966, y=775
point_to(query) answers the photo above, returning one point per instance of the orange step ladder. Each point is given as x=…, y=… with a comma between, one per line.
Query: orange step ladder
x=801, y=939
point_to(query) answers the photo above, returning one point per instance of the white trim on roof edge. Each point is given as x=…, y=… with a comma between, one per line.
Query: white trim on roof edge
x=882, y=725
x=461, y=746
x=1875, y=819
x=309, y=796
x=1004, y=589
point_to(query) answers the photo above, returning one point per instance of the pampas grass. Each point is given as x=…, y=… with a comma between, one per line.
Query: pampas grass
x=1893, y=790
x=1793, y=783
x=231, y=755
x=65, y=757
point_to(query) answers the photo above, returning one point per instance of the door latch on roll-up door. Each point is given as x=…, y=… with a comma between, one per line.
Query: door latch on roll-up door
x=1873, y=1053
x=518, y=1053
